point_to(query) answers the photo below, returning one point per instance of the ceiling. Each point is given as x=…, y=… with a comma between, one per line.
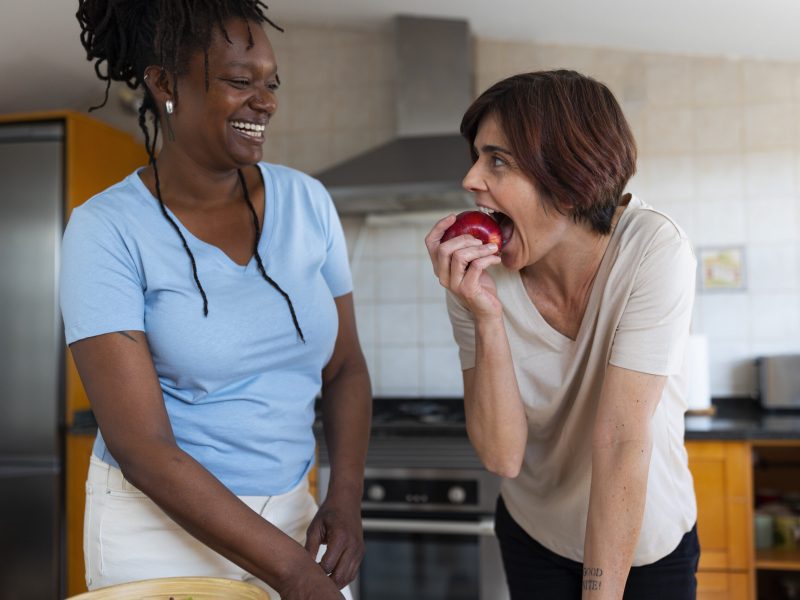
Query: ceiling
x=42, y=64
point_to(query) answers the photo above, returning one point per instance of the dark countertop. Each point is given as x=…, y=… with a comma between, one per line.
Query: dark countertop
x=743, y=419
x=735, y=419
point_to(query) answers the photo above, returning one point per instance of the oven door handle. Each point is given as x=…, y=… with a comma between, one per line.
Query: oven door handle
x=484, y=527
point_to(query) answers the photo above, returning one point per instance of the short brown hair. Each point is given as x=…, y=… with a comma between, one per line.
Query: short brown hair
x=568, y=134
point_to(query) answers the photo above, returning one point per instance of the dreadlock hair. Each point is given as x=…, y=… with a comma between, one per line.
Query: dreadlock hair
x=124, y=37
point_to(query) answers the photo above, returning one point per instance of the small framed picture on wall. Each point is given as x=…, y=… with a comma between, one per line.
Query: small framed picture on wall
x=721, y=268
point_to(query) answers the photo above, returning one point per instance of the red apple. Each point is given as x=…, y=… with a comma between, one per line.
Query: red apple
x=477, y=224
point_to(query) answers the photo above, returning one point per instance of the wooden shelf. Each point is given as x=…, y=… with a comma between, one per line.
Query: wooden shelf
x=778, y=560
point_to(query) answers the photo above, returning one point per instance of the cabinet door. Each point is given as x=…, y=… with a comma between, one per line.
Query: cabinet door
x=722, y=473
x=719, y=585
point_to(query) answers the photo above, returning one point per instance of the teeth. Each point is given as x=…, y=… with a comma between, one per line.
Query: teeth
x=486, y=210
x=248, y=127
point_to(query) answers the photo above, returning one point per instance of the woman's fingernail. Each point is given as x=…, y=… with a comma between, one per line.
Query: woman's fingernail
x=492, y=246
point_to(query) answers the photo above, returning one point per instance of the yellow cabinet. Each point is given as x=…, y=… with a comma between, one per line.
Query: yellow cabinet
x=723, y=481
x=722, y=585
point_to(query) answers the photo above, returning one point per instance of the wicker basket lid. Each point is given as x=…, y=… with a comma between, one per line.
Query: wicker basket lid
x=178, y=588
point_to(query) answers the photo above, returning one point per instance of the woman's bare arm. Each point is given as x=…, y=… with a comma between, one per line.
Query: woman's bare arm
x=121, y=383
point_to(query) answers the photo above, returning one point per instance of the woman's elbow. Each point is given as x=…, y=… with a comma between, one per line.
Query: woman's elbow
x=507, y=466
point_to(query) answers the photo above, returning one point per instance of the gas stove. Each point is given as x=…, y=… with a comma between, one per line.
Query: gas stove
x=418, y=433
x=418, y=416
x=427, y=505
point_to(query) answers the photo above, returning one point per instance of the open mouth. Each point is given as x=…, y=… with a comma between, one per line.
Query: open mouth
x=253, y=131
x=505, y=222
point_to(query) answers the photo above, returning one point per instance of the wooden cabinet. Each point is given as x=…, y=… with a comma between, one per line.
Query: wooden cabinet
x=722, y=473
x=723, y=585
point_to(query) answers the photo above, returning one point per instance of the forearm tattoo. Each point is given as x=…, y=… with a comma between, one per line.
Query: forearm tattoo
x=127, y=335
x=592, y=579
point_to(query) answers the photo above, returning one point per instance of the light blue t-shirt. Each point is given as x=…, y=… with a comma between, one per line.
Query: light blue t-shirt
x=239, y=385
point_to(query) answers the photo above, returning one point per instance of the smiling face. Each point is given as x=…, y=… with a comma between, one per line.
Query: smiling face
x=223, y=127
x=531, y=227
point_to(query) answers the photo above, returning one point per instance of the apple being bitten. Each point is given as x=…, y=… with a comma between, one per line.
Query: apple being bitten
x=477, y=224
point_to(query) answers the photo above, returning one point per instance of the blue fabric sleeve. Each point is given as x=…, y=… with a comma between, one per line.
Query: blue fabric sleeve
x=101, y=290
x=336, y=269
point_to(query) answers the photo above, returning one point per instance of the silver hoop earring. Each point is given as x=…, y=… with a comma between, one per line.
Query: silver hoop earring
x=169, y=106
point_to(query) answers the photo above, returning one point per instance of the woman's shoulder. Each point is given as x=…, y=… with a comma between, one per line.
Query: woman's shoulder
x=116, y=199
x=115, y=208
x=646, y=223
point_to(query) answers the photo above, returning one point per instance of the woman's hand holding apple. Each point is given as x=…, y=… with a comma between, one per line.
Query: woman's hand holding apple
x=460, y=263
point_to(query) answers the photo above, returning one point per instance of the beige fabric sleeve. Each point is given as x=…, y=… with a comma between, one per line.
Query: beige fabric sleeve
x=654, y=326
x=463, y=330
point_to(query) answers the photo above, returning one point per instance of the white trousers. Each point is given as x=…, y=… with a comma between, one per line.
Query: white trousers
x=126, y=537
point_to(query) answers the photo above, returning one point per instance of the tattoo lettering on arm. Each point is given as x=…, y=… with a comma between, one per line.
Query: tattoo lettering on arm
x=592, y=579
x=127, y=335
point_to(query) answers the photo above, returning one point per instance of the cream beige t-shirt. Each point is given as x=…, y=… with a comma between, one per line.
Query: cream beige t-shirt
x=637, y=317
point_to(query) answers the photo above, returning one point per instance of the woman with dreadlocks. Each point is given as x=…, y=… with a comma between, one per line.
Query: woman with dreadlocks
x=207, y=301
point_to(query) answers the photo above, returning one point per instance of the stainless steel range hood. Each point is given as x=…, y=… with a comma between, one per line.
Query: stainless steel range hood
x=422, y=167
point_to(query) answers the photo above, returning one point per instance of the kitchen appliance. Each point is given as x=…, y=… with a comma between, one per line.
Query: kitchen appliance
x=427, y=509
x=421, y=168
x=31, y=359
x=779, y=381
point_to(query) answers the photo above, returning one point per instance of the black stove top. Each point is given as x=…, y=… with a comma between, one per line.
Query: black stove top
x=418, y=416
x=420, y=412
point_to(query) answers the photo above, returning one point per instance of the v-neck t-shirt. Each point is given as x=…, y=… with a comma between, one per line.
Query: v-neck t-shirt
x=238, y=385
x=637, y=317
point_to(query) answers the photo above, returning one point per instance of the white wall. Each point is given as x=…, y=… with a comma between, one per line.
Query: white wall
x=719, y=148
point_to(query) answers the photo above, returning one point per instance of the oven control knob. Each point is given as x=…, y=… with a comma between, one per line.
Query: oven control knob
x=456, y=494
x=376, y=492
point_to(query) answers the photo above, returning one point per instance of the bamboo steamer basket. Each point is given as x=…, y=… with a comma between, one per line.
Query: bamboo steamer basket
x=178, y=588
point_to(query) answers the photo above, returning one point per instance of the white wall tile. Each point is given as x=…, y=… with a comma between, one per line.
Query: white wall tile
x=768, y=174
x=397, y=279
x=716, y=82
x=399, y=372
x=719, y=144
x=768, y=126
x=364, y=280
x=718, y=129
x=718, y=222
x=669, y=178
x=772, y=220
x=669, y=131
x=719, y=175
x=796, y=173
x=773, y=267
x=367, y=323
x=371, y=356
x=775, y=347
x=768, y=81
x=669, y=80
x=398, y=324
x=441, y=371
x=776, y=316
x=623, y=72
x=393, y=241
x=733, y=371
x=726, y=316
x=431, y=288
x=681, y=213
x=436, y=328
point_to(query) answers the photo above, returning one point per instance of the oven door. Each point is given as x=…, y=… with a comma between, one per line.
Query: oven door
x=430, y=557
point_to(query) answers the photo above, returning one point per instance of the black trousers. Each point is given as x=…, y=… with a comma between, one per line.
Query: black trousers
x=535, y=573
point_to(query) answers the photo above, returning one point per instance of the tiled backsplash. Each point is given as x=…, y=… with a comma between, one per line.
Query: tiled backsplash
x=719, y=144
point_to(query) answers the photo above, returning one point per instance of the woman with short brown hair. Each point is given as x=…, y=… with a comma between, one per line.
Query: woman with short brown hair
x=571, y=342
